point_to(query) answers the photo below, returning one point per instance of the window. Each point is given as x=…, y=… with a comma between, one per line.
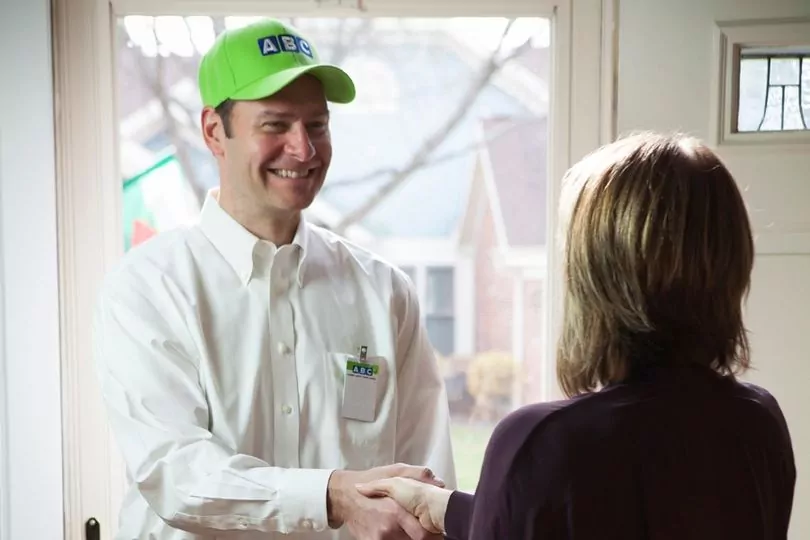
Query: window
x=87, y=216
x=439, y=309
x=774, y=90
x=410, y=187
x=762, y=84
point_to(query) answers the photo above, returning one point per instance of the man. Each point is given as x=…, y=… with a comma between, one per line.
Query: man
x=255, y=367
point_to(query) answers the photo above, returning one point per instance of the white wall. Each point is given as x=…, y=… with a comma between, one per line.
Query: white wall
x=30, y=454
x=666, y=65
x=665, y=57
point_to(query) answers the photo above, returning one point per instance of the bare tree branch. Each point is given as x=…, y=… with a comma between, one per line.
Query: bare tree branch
x=422, y=155
x=154, y=76
x=219, y=25
x=143, y=72
x=158, y=86
x=179, y=143
x=447, y=156
x=345, y=45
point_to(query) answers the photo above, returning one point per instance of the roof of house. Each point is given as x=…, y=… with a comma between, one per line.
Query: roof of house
x=517, y=155
x=431, y=201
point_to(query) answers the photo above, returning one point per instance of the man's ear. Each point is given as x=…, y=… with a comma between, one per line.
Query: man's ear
x=213, y=131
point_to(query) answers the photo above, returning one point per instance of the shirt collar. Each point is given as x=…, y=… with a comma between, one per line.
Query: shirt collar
x=237, y=245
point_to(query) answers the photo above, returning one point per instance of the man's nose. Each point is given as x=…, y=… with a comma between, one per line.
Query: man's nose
x=299, y=145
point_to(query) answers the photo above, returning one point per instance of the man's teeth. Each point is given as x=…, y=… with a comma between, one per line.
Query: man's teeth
x=288, y=173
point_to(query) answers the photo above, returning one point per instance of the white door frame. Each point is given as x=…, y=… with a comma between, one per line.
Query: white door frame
x=89, y=190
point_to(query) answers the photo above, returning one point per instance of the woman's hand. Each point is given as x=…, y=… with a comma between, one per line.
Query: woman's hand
x=428, y=503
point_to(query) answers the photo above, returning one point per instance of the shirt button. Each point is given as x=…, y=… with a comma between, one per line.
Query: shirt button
x=286, y=409
x=282, y=348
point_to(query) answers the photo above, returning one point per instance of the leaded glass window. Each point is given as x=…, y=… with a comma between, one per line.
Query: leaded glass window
x=774, y=90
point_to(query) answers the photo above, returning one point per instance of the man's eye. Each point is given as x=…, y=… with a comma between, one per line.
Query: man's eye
x=275, y=126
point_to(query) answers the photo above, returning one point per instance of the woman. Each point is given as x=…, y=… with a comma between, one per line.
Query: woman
x=658, y=440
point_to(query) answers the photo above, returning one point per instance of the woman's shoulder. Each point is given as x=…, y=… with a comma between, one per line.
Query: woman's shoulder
x=561, y=424
x=533, y=421
x=529, y=418
x=760, y=402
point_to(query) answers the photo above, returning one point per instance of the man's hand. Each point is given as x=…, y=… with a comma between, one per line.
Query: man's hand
x=375, y=519
x=428, y=503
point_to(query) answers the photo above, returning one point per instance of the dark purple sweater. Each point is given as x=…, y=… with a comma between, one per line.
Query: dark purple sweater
x=675, y=454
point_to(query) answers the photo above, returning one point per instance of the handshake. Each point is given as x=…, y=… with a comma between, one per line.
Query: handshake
x=394, y=502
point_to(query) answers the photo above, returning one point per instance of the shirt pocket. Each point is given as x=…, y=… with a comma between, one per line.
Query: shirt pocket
x=364, y=443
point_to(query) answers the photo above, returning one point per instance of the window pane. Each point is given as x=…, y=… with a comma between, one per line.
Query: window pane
x=753, y=89
x=793, y=117
x=777, y=99
x=440, y=298
x=785, y=71
x=806, y=91
x=441, y=331
x=431, y=224
x=773, y=110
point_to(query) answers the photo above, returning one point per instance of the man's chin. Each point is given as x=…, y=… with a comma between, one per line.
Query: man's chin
x=293, y=205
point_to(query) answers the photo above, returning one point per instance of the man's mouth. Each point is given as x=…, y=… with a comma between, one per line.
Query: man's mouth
x=292, y=173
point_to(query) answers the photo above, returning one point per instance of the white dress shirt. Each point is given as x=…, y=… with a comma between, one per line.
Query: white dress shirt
x=222, y=360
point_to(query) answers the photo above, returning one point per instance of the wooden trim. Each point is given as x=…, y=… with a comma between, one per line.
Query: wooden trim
x=729, y=37
x=493, y=197
x=559, y=152
x=5, y=483
x=339, y=8
x=89, y=237
x=609, y=70
x=518, y=317
x=576, y=131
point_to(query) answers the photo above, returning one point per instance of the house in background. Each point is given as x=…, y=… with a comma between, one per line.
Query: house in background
x=472, y=247
x=503, y=238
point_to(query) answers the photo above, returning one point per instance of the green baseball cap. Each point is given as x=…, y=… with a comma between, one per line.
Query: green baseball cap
x=259, y=59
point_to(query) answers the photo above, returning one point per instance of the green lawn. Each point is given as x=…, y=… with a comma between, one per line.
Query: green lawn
x=469, y=444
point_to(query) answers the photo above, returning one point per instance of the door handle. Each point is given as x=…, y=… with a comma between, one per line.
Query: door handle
x=92, y=529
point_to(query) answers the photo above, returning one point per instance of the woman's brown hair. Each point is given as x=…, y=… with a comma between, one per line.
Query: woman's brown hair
x=658, y=256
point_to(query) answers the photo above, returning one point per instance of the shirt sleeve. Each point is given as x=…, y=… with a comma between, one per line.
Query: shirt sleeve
x=158, y=413
x=423, y=421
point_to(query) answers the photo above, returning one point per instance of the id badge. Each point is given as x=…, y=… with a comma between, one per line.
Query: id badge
x=360, y=388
